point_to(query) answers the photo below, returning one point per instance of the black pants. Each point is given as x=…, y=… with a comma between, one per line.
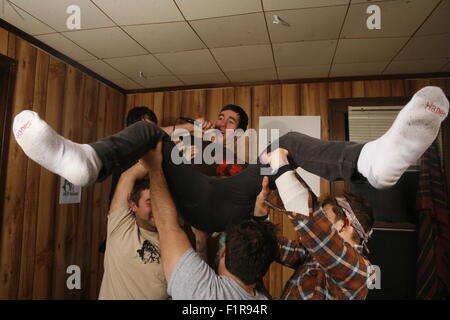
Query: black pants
x=211, y=204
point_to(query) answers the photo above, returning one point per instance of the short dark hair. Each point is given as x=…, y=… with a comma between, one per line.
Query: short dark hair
x=361, y=209
x=243, y=117
x=139, y=113
x=250, y=247
x=139, y=186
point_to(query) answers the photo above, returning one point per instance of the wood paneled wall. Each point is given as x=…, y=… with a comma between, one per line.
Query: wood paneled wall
x=39, y=237
x=309, y=99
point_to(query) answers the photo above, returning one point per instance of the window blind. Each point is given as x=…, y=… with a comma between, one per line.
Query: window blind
x=369, y=123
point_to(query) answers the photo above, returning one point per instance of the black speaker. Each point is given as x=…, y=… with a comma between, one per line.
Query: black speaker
x=395, y=253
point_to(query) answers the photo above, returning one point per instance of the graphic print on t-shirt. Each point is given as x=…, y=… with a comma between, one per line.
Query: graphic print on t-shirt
x=148, y=252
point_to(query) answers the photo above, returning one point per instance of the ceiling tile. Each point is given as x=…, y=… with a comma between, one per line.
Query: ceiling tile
x=368, y=50
x=140, y=11
x=165, y=37
x=427, y=47
x=54, y=13
x=201, y=9
x=244, y=57
x=159, y=82
x=28, y=24
x=304, y=53
x=106, y=71
x=65, y=46
x=302, y=72
x=193, y=79
x=232, y=31
x=412, y=13
x=127, y=84
x=415, y=66
x=106, y=43
x=357, y=69
x=131, y=66
x=189, y=62
x=438, y=22
x=299, y=4
x=252, y=75
x=307, y=24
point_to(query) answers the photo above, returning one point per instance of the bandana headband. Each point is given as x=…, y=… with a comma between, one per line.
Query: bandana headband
x=345, y=206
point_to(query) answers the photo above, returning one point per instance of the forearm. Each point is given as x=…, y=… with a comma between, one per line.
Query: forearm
x=291, y=253
x=164, y=210
x=338, y=258
x=125, y=185
x=293, y=194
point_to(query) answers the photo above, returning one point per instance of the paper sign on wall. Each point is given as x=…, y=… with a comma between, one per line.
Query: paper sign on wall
x=309, y=125
x=68, y=192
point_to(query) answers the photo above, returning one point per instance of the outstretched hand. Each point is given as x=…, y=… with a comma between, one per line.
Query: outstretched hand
x=260, y=206
x=153, y=158
x=276, y=159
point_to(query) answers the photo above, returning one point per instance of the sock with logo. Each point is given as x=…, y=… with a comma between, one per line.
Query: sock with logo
x=384, y=160
x=78, y=163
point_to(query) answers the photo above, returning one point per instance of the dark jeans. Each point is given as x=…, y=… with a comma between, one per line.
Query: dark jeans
x=211, y=204
x=332, y=160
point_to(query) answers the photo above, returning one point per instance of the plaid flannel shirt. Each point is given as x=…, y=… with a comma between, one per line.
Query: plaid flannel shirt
x=326, y=266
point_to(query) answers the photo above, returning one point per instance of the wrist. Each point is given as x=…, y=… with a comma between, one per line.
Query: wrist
x=260, y=218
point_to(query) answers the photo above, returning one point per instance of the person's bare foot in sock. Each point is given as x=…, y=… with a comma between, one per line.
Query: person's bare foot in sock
x=384, y=160
x=78, y=163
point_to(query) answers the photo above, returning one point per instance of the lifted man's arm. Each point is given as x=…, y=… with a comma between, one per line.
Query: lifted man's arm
x=125, y=186
x=173, y=241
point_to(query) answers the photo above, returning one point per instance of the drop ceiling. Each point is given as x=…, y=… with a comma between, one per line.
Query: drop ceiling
x=139, y=44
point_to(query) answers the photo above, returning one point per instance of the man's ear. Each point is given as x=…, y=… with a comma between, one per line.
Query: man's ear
x=133, y=206
x=345, y=223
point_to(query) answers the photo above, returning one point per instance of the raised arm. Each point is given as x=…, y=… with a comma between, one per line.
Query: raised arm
x=317, y=235
x=291, y=252
x=173, y=240
x=188, y=126
x=125, y=185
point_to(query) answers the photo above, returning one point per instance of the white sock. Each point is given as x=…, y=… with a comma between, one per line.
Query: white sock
x=78, y=163
x=384, y=160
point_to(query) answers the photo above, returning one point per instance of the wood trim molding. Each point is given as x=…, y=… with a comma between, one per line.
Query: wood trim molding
x=39, y=44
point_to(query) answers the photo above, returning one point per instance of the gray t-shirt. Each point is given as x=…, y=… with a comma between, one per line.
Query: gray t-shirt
x=193, y=279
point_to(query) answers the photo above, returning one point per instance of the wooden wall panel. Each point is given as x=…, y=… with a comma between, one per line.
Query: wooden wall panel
x=4, y=42
x=228, y=96
x=193, y=104
x=15, y=190
x=83, y=240
x=38, y=237
x=172, y=107
x=99, y=207
x=377, y=88
x=297, y=99
x=68, y=217
x=33, y=190
x=214, y=103
x=158, y=105
x=37, y=231
x=43, y=267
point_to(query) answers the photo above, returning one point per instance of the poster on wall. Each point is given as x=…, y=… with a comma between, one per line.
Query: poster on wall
x=309, y=125
x=68, y=192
